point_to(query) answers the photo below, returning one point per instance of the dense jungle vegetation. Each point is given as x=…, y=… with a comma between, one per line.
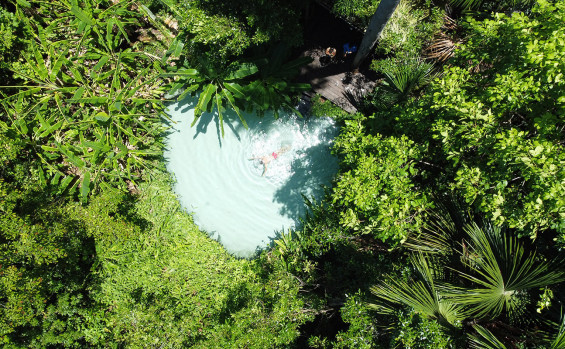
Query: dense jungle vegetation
x=444, y=228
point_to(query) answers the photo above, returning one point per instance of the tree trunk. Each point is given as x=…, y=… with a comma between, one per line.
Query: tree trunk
x=374, y=30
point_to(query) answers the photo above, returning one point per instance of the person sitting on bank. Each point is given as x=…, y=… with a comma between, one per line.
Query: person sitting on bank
x=266, y=159
x=347, y=50
x=330, y=51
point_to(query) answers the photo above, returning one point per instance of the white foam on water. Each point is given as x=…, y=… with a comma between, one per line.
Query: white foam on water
x=224, y=189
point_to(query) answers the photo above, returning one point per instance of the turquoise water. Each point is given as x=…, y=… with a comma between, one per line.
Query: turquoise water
x=225, y=190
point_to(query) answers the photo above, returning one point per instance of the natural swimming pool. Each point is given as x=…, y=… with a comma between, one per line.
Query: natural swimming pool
x=225, y=190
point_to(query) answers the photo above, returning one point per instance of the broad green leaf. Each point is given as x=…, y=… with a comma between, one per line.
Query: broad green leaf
x=48, y=148
x=101, y=63
x=76, y=74
x=102, y=116
x=65, y=183
x=182, y=72
x=93, y=100
x=51, y=129
x=98, y=146
x=22, y=126
x=188, y=90
x=245, y=69
x=236, y=89
x=61, y=59
x=24, y=3
x=78, y=93
x=148, y=12
x=203, y=101
x=41, y=176
x=220, y=115
x=81, y=15
x=39, y=66
x=71, y=156
x=231, y=101
x=85, y=187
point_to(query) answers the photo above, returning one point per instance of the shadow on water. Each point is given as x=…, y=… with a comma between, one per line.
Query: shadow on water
x=301, y=172
x=310, y=170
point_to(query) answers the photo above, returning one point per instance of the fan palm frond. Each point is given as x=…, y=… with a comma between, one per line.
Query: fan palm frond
x=422, y=295
x=502, y=269
x=559, y=340
x=485, y=339
x=443, y=230
x=407, y=77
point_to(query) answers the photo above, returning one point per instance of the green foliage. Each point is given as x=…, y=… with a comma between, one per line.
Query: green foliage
x=12, y=35
x=45, y=258
x=260, y=86
x=492, y=276
x=416, y=331
x=359, y=11
x=221, y=30
x=410, y=29
x=503, y=271
x=404, y=78
x=419, y=293
x=375, y=188
x=164, y=283
x=322, y=108
x=499, y=6
x=362, y=331
x=500, y=128
x=485, y=340
x=84, y=103
x=492, y=123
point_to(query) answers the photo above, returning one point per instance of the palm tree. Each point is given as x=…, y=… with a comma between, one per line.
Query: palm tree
x=376, y=26
x=467, y=271
x=421, y=294
x=500, y=270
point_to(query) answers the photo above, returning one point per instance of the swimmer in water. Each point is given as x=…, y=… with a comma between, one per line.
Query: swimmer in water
x=266, y=159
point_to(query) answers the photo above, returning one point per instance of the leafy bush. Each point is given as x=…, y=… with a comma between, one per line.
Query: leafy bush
x=222, y=30
x=165, y=283
x=85, y=102
x=410, y=29
x=492, y=123
x=404, y=78
x=464, y=271
x=375, y=188
x=500, y=127
x=45, y=259
x=415, y=331
x=357, y=11
x=12, y=36
x=362, y=331
x=258, y=86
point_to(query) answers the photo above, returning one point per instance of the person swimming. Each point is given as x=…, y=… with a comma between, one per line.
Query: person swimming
x=266, y=159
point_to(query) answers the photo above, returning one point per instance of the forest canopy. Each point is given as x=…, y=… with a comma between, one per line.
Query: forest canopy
x=443, y=228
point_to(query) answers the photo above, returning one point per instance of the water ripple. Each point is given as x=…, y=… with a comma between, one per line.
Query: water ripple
x=224, y=189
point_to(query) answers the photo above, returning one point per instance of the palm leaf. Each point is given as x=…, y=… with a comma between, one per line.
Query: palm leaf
x=501, y=268
x=218, y=99
x=559, y=340
x=244, y=70
x=422, y=295
x=485, y=339
x=203, y=101
x=231, y=101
